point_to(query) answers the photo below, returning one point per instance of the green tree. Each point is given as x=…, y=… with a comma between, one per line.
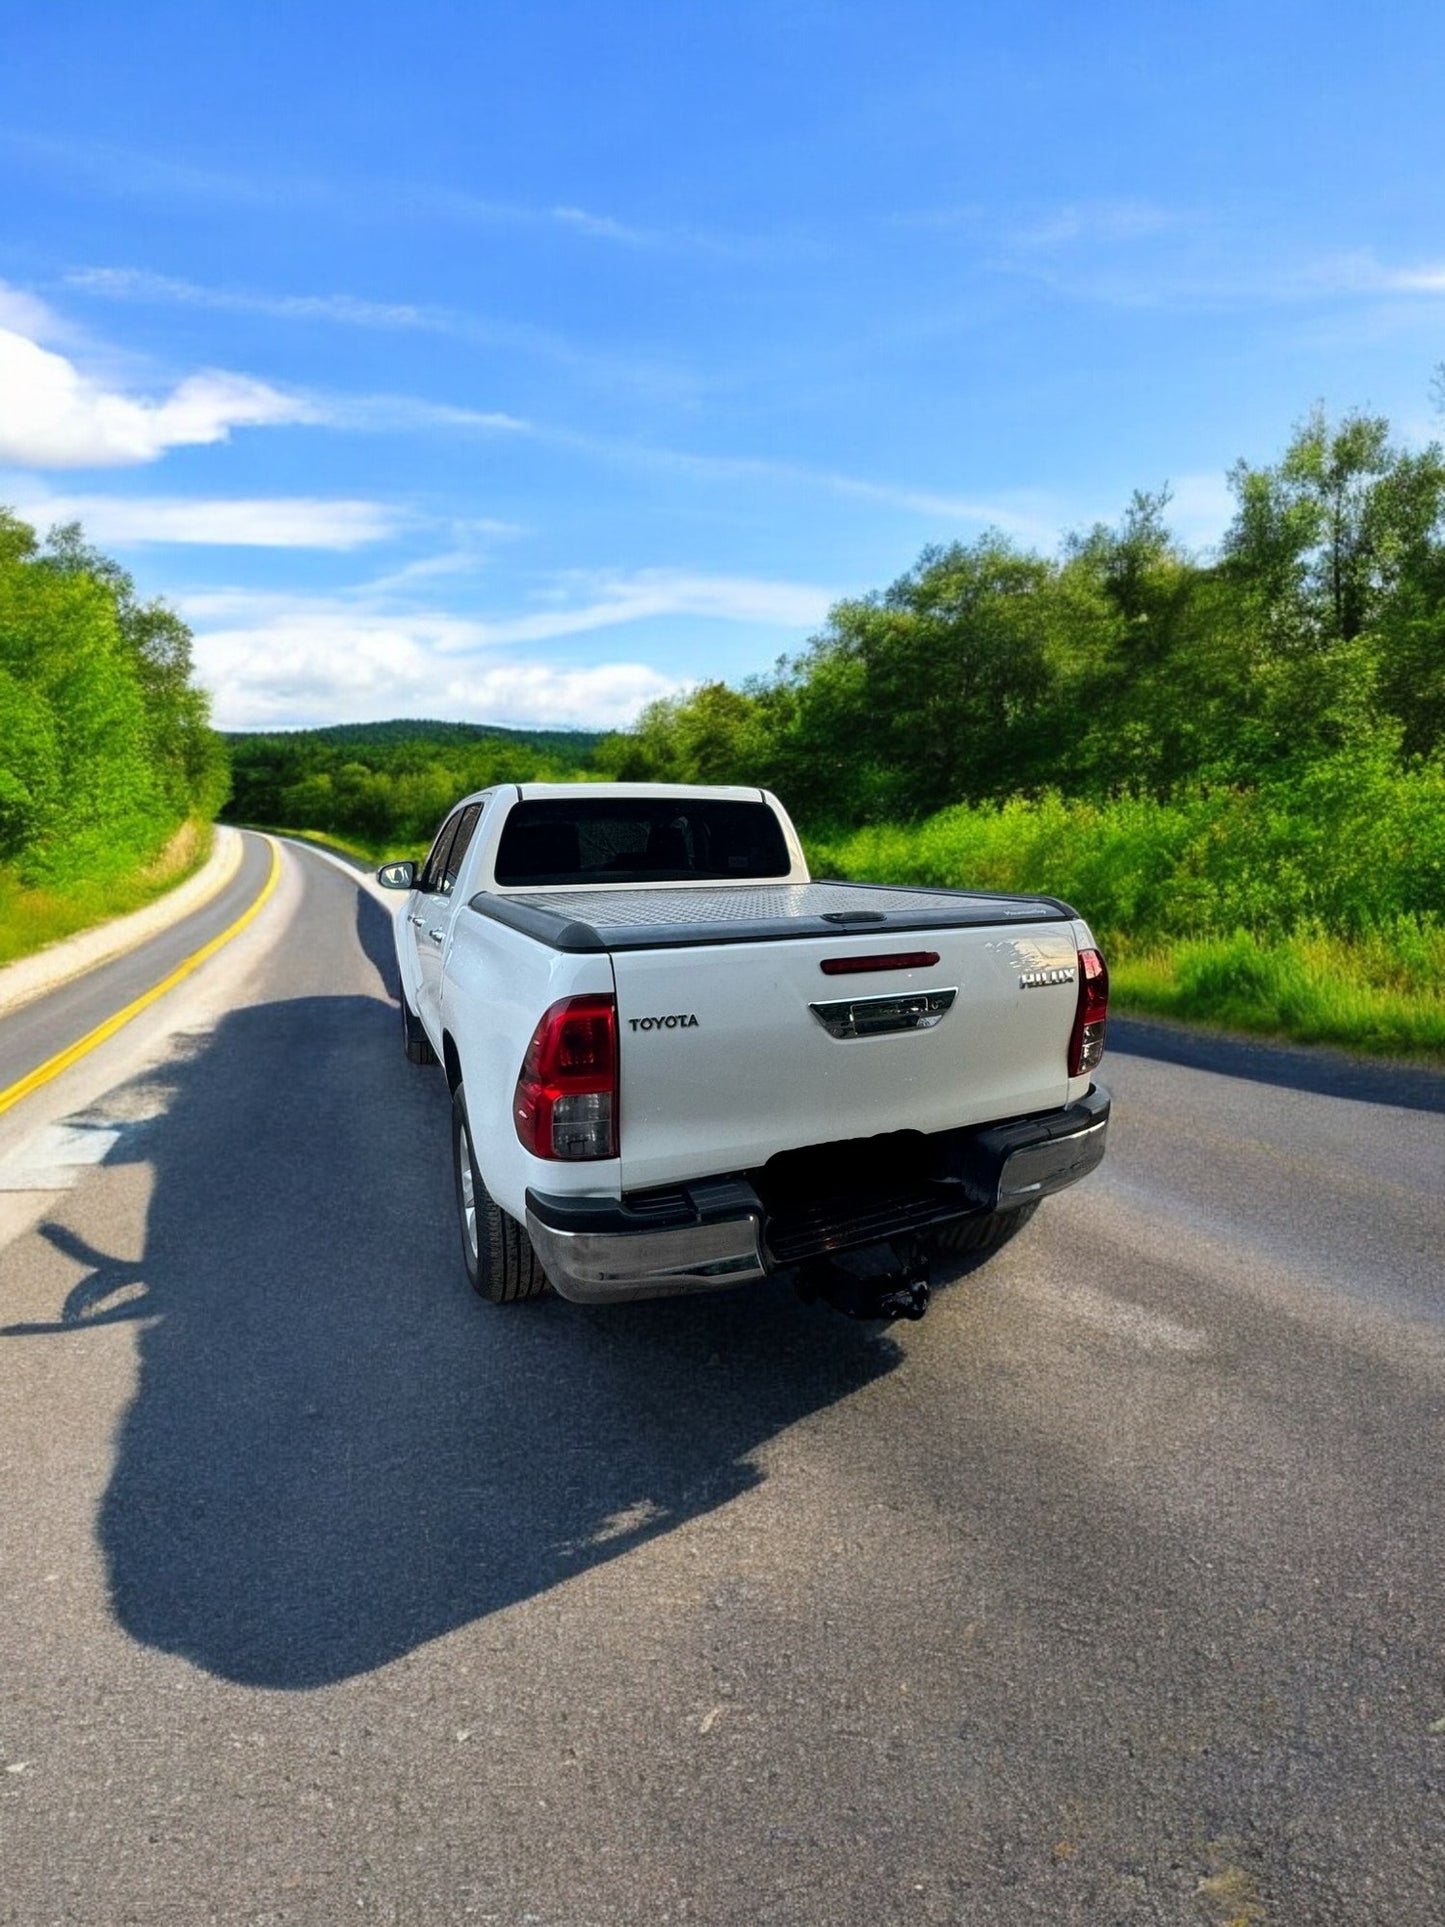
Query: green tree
x=926, y=693
x=186, y=754
x=104, y=744
x=1335, y=555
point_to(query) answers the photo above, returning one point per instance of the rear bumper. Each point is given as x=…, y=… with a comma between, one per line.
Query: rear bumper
x=718, y=1233
x=1012, y=1164
x=602, y=1251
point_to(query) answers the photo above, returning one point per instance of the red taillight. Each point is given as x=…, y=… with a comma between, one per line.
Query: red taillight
x=566, y=1099
x=895, y=960
x=1086, y=1046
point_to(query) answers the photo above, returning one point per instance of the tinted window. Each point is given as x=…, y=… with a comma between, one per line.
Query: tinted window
x=466, y=829
x=647, y=840
x=434, y=869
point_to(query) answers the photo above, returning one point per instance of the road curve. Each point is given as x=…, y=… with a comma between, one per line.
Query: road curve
x=1110, y=1593
x=51, y=1023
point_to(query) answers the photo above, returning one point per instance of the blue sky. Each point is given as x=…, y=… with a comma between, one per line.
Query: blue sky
x=520, y=364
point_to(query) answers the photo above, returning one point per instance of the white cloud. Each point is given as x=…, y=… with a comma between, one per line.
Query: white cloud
x=275, y=522
x=302, y=666
x=26, y=314
x=282, y=661
x=53, y=416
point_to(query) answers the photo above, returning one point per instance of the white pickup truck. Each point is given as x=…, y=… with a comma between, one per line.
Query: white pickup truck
x=678, y=1064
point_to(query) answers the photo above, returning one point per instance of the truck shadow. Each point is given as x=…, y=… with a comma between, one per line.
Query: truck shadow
x=335, y=1452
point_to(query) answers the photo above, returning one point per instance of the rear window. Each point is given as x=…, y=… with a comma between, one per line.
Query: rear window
x=642, y=841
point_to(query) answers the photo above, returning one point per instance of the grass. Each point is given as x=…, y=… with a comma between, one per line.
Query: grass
x=1315, y=914
x=32, y=918
x=1356, y=993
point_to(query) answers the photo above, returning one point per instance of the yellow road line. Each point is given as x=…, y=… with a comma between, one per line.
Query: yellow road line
x=62, y=1060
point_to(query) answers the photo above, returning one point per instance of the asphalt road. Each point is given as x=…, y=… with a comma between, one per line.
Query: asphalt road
x=1111, y=1593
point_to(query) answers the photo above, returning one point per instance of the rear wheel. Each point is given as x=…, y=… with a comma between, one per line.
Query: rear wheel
x=500, y=1263
x=413, y=1037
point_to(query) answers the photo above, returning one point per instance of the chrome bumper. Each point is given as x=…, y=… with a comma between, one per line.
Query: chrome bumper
x=1038, y=1156
x=597, y=1252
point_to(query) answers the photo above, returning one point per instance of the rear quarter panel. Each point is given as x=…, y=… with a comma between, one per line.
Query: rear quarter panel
x=497, y=983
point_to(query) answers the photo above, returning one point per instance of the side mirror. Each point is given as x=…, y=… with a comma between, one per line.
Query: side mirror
x=397, y=876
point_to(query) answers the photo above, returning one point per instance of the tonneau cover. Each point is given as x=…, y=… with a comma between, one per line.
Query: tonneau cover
x=662, y=919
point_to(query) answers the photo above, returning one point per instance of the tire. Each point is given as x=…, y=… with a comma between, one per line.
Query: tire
x=985, y=1233
x=497, y=1254
x=413, y=1037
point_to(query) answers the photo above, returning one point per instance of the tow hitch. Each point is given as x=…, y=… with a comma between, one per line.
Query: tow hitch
x=855, y=1284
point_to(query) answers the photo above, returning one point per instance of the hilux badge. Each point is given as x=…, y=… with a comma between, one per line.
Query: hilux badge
x=1041, y=979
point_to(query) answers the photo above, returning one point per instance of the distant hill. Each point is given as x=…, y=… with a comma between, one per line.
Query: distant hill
x=391, y=782
x=570, y=743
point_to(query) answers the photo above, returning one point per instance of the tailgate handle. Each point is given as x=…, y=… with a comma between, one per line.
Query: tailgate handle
x=854, y=916
x=876, y=1016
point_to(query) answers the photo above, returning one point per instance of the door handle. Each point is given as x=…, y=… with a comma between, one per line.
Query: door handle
x=437, y=936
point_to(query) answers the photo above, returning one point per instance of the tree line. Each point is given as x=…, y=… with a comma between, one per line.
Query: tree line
x=1126, y=665
x=393, y=782
x=105, y=739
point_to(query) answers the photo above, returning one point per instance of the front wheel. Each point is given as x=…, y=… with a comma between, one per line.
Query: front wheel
x=500, y=1263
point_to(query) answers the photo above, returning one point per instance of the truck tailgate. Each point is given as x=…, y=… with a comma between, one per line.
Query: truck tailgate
x=734, y=1050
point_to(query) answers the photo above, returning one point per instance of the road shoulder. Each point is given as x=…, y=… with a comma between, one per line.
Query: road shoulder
x=34, y=976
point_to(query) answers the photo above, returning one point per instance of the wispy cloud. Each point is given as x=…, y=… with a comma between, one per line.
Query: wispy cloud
x=54, y=416
x=1361, y=271
x=1095, y=223
x=141, y=287
x=274, y=522
x=1025, y=518
x=1131, y=256
x=602, y=227
x=475, y=541
x=127, y=172
x=610, y=600
x=136, y=284
x=404, y=414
